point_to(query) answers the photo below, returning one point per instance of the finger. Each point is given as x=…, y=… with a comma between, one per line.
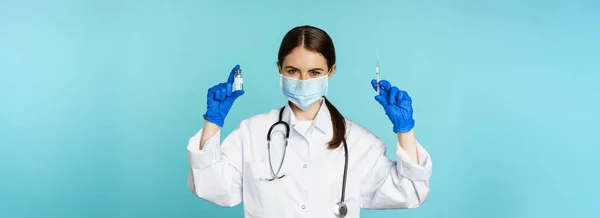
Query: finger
x=393, y=94
x=400, y=96
x=382, y=91
x=223, y=92
x=215, y=92
x=374, y=84
x=217, y=95
x=228, y=89
x=385, y=85
x=237, y=94
x=211, y=93
x=406, y=100
x=384, y=95
x=381, y=100
x=232, y=73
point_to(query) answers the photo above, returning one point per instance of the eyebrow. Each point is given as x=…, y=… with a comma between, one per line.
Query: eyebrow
x=314, y=69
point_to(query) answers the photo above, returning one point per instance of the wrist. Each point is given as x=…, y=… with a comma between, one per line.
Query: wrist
x=211, y=120
x=209, y=130
x=408, y=143
x=403, y=136
x=210, y=125
x=404, y=127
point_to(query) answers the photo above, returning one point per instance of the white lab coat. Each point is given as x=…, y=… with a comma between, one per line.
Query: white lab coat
x=228, y=173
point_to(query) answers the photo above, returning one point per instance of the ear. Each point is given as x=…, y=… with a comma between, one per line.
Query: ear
x=278, y=67
x=332, y=71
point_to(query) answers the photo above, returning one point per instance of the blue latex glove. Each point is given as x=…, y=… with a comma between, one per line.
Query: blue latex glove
x=397, y=105
x=220, y=99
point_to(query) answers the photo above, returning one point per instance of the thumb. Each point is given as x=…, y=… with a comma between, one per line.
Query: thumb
x=374, y=84
x=237, y=94
x=381, y=100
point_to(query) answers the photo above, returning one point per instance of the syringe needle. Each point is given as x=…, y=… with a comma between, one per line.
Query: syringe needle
x=377, y=71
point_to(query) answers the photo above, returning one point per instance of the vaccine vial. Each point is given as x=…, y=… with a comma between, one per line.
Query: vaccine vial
x=238, y=80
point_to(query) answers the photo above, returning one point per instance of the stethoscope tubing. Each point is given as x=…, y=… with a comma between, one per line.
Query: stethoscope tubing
x=287, y=136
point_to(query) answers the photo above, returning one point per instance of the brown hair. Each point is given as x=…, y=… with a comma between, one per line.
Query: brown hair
x=316, y=40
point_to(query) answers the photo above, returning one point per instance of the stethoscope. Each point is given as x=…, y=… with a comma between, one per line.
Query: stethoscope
x=340, y=208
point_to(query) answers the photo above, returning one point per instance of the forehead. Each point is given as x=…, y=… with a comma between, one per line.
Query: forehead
x=302, y=58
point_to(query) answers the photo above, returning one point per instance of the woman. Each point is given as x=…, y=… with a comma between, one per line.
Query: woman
x=310, y=176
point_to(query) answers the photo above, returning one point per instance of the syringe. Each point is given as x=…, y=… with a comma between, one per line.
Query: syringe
x=377, y=71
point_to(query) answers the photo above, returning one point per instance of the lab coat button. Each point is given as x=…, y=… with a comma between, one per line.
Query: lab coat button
x=303, y=207
x=305, y=166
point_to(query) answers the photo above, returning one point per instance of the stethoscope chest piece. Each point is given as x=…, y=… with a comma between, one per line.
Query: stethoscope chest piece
x=340, y=209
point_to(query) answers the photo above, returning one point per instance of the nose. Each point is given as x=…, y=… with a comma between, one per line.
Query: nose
x=304, y=76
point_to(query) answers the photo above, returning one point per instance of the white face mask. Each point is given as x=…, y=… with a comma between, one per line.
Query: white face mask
x=303, y=93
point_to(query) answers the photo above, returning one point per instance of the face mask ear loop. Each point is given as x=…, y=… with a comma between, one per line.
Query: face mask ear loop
x=326, y=86
x=281, y=83
x=327, y=82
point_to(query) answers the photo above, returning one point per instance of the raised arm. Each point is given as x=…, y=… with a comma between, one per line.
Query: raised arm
x=401, y=184
x=215, y=168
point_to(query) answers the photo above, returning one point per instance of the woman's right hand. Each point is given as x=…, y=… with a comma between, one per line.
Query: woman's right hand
x=220, y=98
x=397, y=105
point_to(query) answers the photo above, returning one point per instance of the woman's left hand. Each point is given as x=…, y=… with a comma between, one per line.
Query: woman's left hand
x=397, y=105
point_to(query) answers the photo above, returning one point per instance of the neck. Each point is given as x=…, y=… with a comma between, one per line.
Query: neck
x=308, y=114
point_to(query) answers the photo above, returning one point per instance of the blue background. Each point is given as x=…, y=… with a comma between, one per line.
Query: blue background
x=99, y=98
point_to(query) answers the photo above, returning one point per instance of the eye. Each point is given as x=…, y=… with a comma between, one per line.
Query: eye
x=291, y=71
x=315, y=73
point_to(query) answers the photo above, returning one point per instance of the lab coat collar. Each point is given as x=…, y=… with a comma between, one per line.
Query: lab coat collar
x=322, y=121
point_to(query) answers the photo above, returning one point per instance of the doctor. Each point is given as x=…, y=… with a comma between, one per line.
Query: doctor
x=305, y=159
